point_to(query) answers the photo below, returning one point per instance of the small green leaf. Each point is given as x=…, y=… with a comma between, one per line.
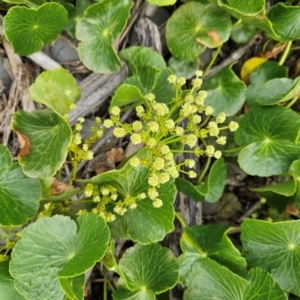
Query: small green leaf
x=162, y=2
x=295, y=169
x=19, y=194
x=7, y=287
x=145, y=224
x=278, y=14
x=56, y=89
x=152, y=268
x=183, y=68
x=213, y=187
x=194, y=26
x=274, y=247
x=243, y=33
x=28, y=30
x=277, y=90
x=269, y=136
x=267, y=71
x=73, y=286
x=98, y=30
x=43, y=153
x=63, y=249
x=140, y=59
x=226, y=92
x=127, y=94
x=201, y=242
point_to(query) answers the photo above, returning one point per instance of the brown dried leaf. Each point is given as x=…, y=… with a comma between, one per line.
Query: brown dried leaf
x=292, y=209
x=58, y=187
x=275, y=51
x=115, y=155
x=24, y=143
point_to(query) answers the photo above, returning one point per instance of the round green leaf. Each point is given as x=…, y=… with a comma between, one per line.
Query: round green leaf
x=56, y=247
x=277, y=90
x=98, y=30
x=183, y=68
x=144, y=224
x=45, y=136
x=7, y=287
x=226, y=92
x=199, y=242
x=251, y=7
x=194, y=26
x=19, y=194
x=140, y=59
x=28, y=30
x=243, y=33
x=274, y=247
x=269, y=135
x=56, y=89
x=152, y=268
x=279, y=14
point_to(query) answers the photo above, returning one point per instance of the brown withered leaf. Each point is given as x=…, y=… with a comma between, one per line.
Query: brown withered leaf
x=292, y=209
x=275, y=51
x=58, y=187
x=115, y=155
x=24, y=143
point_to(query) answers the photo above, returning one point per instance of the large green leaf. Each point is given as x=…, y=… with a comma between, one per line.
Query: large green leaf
x=152, y=269
x=7, y=287
x=274, y=247
x=208, y=280
x=279, y=14
x=28, y=30
x=277, y=90
x=53, y=248
x=56, y=89
x=194, y=26
x=45, y=136
x=213, y=187
x=19, y=194
x=97, y=30
x=144, y=224
x=269, y=136
x=226, y=92
x=201, y=242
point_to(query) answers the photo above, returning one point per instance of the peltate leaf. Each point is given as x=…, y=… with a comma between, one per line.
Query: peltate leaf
x=274, y=247
x=28, y=30
x=269, y=136
x=97, y=30
x=183, y=68
x=144, y=224
x=201, y=242
x=152, y=268
x=243, y=33
x=7, y=287
x=19, y=194
x=194, y=26
x=226, y=92
x=63, y=249
x=44, y=137
x=56, y=89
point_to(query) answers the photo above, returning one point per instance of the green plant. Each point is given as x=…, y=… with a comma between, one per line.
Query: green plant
x=56, y=231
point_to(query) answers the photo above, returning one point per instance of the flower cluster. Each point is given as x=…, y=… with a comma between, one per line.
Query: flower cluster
x=79, y=150
x=108, y=202
x=165, y=130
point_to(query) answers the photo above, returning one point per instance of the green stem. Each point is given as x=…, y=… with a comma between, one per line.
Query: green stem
x=232, y=150
x=105, y=283
x=204, y=170
x=74, y=171
x=212, y=61
x=285, y=53
x=292, y=102
x=180, y=220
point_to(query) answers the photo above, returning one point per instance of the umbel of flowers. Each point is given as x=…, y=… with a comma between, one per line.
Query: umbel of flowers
x=160, y=129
